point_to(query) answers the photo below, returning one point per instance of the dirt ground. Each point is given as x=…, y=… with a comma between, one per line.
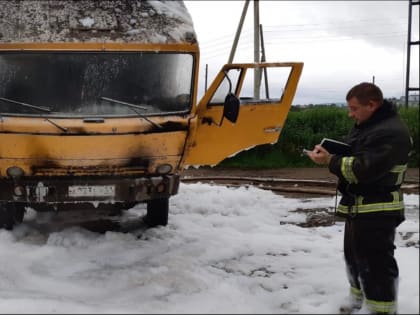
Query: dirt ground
x=316, y=173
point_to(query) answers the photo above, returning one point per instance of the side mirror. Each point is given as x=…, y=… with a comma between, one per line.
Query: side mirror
x=231, y=108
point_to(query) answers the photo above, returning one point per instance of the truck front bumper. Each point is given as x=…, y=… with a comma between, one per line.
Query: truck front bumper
x=67, y=189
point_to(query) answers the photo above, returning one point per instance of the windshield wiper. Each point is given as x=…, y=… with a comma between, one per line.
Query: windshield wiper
x=122, y=103
x=39, y=108
x=133, y=108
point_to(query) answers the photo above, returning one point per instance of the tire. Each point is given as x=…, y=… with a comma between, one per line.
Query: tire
x=157, y=212
x=11, y=214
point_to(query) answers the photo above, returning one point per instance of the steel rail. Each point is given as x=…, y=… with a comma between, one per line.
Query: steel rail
x=289, y=185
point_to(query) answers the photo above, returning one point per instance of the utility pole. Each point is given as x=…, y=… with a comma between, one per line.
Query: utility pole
x=257, y=71
x=263, y=59
x=238, y=32
x=205, y=78
x=411, y=3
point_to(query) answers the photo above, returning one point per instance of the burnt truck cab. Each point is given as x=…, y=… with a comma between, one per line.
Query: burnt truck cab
x=98, y=106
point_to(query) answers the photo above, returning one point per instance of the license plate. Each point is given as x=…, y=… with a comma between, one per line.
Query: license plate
x=92, y=191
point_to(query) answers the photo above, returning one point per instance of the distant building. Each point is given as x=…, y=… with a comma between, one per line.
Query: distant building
x=413, y=99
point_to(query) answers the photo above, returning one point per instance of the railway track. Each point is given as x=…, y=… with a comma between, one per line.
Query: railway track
x=284, y=185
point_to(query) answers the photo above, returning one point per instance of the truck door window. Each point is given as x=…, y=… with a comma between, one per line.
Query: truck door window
x=225, y=86
x=271, y=84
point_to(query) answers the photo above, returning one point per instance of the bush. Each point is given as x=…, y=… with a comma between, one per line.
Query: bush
x=304, y=128
x=410, y=116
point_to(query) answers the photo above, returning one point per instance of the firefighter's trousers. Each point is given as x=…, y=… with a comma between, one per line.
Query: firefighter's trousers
x=371, y=266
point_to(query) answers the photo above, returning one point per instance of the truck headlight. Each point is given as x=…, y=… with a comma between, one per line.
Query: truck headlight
x=15, y=172
x=164, y=169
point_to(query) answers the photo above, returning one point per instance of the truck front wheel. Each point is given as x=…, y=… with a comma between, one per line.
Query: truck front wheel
x=10, y=214
x=157, y=212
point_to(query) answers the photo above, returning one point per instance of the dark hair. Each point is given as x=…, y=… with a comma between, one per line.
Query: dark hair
x=366, y=92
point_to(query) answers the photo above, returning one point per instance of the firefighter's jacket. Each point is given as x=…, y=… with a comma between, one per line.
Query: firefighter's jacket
x=369, y=179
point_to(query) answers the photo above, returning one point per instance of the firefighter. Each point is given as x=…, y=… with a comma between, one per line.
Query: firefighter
x=369, y=180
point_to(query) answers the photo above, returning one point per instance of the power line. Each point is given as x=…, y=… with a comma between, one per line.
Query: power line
x=353, y=36
x=307, y=38
x=339, y=25
x=329, y=26
x=302, y=40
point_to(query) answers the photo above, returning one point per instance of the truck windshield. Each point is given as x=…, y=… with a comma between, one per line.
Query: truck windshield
x=95, y=83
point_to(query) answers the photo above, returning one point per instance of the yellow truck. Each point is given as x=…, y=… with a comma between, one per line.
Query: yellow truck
x=98, y=105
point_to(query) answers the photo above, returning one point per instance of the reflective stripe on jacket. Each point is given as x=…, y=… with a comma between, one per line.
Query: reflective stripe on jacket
x=397, y=204
x=347, y=171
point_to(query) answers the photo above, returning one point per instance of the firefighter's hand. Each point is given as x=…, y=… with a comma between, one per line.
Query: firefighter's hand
x=319, y=155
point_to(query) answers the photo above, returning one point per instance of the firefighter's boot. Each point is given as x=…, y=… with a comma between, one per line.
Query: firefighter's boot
x=353, y=303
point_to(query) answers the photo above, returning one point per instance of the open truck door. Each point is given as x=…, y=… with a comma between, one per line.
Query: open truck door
x=236, y=115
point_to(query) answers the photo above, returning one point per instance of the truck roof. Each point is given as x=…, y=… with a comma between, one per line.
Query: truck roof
x=115, y=21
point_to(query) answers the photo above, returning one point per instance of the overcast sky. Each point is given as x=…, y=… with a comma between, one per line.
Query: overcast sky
x=341, y=43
